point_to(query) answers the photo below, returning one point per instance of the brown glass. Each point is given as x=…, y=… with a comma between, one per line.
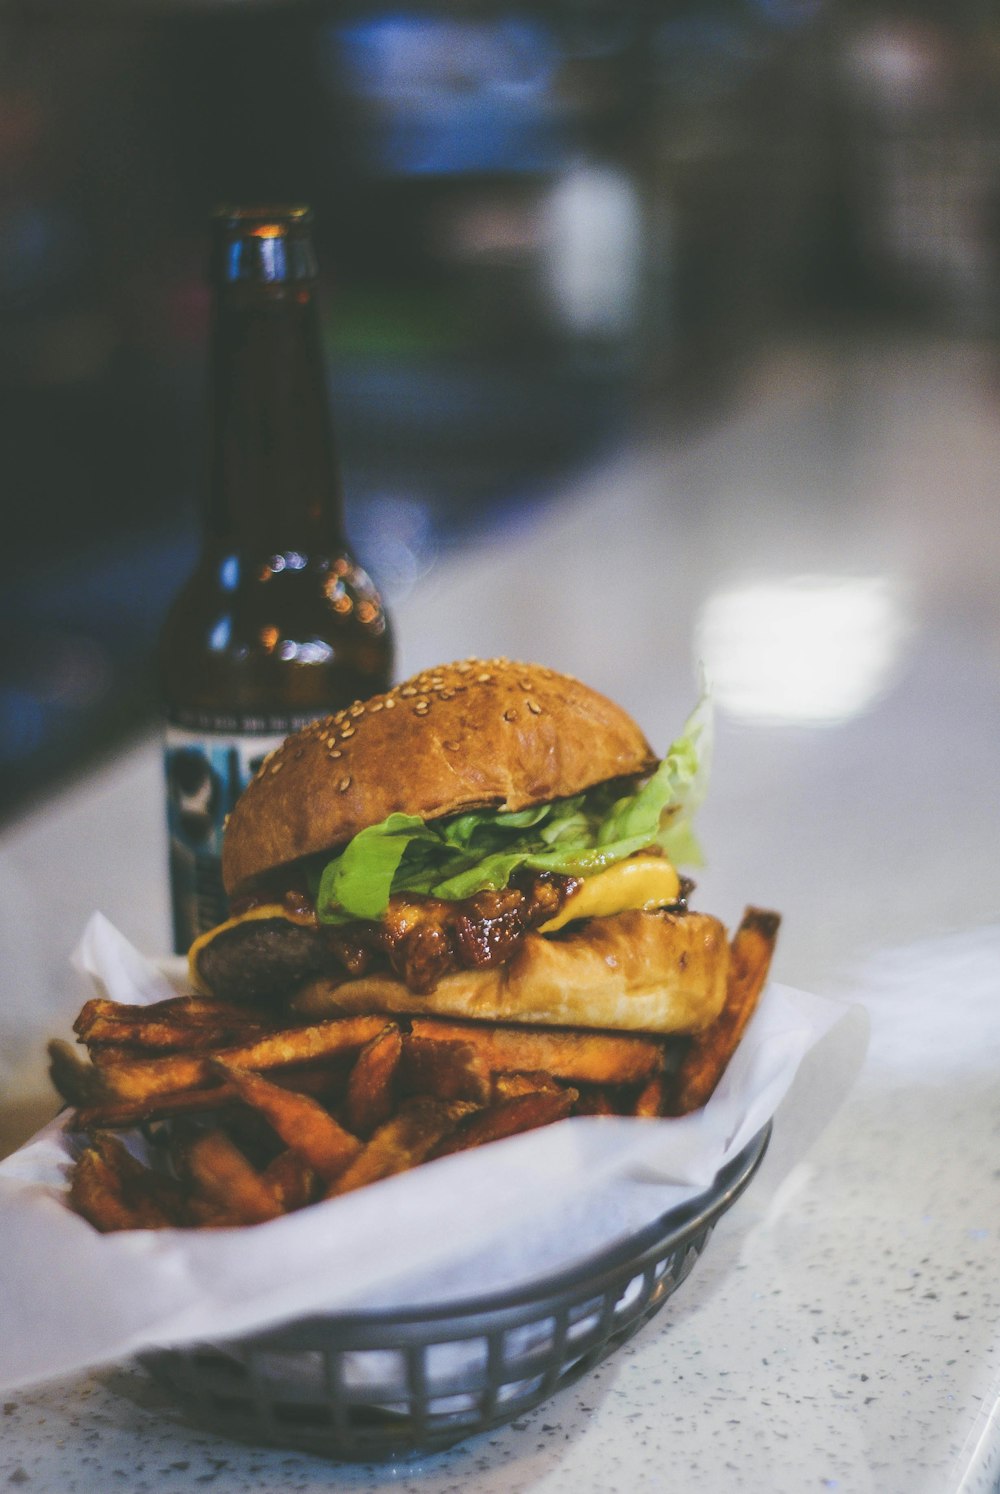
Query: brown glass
x=278, y=622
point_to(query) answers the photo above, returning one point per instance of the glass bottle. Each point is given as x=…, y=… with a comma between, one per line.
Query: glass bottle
x=278, y=624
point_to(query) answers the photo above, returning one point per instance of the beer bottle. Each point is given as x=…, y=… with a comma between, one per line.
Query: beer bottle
x=278, y=624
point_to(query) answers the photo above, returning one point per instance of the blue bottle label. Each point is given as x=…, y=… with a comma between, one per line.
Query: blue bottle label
x=206, y=771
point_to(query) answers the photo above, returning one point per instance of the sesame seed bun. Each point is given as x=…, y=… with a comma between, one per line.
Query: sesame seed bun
x=471, y=735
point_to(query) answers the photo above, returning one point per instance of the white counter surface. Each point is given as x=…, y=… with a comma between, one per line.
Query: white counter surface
x=832, y=553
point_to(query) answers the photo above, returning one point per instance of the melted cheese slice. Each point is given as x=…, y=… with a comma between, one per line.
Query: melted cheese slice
x=643, y=882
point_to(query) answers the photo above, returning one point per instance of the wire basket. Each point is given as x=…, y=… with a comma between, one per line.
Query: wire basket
x=366, y=1387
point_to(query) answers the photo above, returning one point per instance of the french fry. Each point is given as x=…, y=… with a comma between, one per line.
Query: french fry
x=290, y=1179
x=96, y=1193
x=652, y=1098
x=143, y=1078
x=120, y=1115
x=152, y=1193
x=507, y=1118
x=446, y=1068
x=299, y=1120
x=107, y=1189
x=184, y=1010
x=595, y=1099
x=370, y=1093
x=585, y=1057
x=118, y=1157
x=403, y=1142
x=507, y=1086
x=710, y=1051
x=106, y=1055
x=223, y=1176
x=167, y=1036
x=76, y=1081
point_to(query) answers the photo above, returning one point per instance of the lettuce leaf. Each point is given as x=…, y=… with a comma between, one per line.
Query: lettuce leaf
x=482, y=849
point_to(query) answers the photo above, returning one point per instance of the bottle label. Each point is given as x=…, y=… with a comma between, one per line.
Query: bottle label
x=209, y=761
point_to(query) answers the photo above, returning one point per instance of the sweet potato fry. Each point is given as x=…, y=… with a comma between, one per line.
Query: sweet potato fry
x=290, y=1179
x=142, y=1078
x=507, y=1086
x=75, y=1080
x=222, y=1175
x=211, y=1213
x=299, y=1120
x=596, y=1099
x=445, y=1068
x=183, y=1010
x=588, y=1057
x=97, y=1194
x=109, y=1188
x=508, y=1118
x=403, y=1142
x=120, y=1115
x=151, y=1193
x=106, y=1055
x=118, y=1157
x=148, y=1033
x=371, y=1085
x=749, y=961
x=652, y=1097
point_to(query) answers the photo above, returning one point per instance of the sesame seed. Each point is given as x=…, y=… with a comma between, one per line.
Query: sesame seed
x=344, y=784
x=421, y=708
x=534, y=707
x=376, y=705
x=389, y=703
x=451, y=746
x=484, y=679
x=276, y=767
x=358, y=708
x=335, y=752
x=408, y=690
x=347, y=731
x=524, y=684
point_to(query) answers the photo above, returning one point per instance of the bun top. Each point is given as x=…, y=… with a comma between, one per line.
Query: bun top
x=472, y=735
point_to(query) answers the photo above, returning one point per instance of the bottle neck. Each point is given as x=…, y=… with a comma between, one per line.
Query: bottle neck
x=274, y=480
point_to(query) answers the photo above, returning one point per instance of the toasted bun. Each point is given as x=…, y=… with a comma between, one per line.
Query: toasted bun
x=635, y=972
x=470, y=735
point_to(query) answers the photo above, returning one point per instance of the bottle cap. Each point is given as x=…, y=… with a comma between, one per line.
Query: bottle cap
x=264, y=244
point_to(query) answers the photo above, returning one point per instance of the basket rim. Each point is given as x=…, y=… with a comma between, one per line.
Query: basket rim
x=596, y=1271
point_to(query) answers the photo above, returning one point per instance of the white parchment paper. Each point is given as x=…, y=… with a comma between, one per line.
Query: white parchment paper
x=479, y=1221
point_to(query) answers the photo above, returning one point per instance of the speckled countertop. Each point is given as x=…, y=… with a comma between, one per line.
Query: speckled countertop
x=842, y=1331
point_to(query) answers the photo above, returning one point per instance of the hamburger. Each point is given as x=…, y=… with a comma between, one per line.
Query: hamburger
x=488, y=840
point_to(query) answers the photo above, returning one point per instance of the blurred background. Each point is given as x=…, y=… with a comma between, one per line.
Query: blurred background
x=545, y=229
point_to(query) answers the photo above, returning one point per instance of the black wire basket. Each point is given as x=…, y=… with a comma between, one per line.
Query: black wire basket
x=366, y=1387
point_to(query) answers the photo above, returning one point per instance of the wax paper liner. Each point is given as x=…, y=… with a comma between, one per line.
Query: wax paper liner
x=479, y=1221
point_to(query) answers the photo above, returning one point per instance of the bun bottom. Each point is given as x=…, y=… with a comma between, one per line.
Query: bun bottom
x=634, y=972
